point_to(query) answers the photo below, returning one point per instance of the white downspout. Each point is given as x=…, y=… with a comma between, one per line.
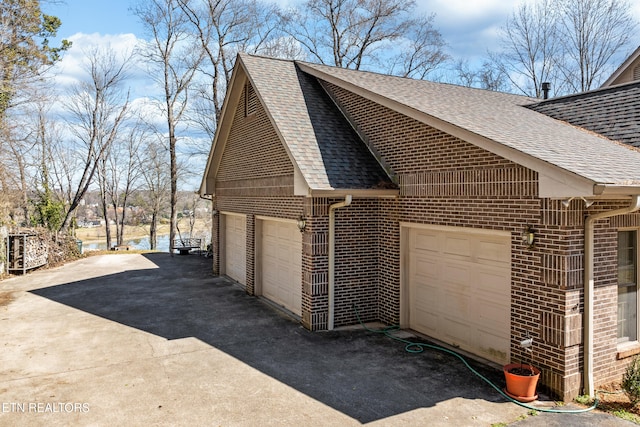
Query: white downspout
x=332, y=254
x=589, y=287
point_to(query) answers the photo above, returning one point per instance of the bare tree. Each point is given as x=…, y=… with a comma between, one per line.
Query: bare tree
x=16, y=141
x=530, y=48
x=422, y=50
x=223, y=29
x=62, y=162
x=177, y=56
x=362, y=33
x=124, y=173
x=486, y=77
x=97, y=108
x=102, y=171
x=592, y=32
x=568, y=43
x=155, y=189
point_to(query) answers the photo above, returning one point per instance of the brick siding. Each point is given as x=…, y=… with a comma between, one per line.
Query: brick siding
x=447, y=181
x=443, y=181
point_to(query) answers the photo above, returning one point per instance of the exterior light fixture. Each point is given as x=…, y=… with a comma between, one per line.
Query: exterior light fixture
x=529, y=236
x=302, y=223
x=587, y=203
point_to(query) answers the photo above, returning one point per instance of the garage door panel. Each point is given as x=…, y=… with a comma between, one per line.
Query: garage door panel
x=425, y=267
x=493, y=347
x=456, y=273
x=457, y=247
x=491, y=314
x=459, y=285
x=491, y=281
x=282, y=264
x=493, y=251
x=454, y=331
x=426, y=321
x=455, y=303
x=427, y=242
x=235, y=248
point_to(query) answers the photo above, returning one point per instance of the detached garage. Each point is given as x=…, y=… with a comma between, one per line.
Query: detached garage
x=457, y=284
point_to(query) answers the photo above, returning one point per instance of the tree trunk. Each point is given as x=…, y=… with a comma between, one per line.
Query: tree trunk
x=116, y=219
x=153, y=231
x=107, y=229
x=174, y=183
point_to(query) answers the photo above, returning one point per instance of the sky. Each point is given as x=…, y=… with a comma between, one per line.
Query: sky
x=469, y=27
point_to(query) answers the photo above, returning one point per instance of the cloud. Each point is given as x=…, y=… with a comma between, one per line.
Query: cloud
x=72, y=68
x=470, y=28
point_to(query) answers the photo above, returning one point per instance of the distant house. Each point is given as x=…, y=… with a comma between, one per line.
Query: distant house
x=466, y=215
x=628, y=72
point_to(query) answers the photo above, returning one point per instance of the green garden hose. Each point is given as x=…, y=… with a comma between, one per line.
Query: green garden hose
x=414, y=347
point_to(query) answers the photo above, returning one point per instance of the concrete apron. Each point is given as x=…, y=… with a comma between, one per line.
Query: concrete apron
x=157, y=340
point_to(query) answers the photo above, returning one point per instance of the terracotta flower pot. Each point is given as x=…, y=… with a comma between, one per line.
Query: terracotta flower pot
x=521, y=387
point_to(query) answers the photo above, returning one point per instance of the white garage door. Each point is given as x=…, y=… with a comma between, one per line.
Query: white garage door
x=281, y=263
x=235, y=252
x=459, y=289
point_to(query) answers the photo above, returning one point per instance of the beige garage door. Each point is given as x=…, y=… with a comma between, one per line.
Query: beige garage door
x=459, y=289
x=235, y=251
x=281, y=263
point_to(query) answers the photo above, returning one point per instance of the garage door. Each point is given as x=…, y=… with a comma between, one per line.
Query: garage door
x=235, y=252
x=459, y=289
x=281, y=263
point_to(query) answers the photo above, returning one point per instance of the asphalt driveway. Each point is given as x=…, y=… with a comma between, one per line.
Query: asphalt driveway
x=157, y=340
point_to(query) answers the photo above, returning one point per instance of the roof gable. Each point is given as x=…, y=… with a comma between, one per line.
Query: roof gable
x=501, y=123
x=326, y=151
x=628, y=72
x=328, y=155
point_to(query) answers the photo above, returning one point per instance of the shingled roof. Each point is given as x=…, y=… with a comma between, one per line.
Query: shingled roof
x=500, y=118
x=329, y=155
x=324, y=146
x=613, y=111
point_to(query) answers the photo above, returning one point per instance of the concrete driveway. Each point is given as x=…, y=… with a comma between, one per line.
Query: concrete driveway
x=157, y=340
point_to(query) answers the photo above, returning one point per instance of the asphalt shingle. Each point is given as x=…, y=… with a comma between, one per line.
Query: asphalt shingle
x=326, y=149
x=504, y=119
x=331, y=155
x=613, y=112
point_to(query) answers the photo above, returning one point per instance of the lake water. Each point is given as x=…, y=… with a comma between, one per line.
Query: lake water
x=142, y=244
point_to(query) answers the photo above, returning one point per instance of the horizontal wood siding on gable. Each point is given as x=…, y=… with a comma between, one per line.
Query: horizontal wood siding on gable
x=254, y=162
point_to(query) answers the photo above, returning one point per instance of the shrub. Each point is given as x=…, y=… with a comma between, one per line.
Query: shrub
x=631, y=381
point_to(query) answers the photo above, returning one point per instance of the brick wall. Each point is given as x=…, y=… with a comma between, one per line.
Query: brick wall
x=443, y=181
x=252, y=140
x=449, y=182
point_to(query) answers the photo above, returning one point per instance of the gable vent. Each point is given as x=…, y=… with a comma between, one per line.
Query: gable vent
x=250, y=100
x=636, y=73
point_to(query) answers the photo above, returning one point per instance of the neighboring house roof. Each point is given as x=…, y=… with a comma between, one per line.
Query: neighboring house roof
x=570, y=161
x=627, y=72
x=612, y=111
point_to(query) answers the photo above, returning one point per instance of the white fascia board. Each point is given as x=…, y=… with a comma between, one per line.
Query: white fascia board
x=561, y=186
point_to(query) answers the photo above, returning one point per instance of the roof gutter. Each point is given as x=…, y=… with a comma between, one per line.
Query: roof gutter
x=332, y=255
x=589, y=286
